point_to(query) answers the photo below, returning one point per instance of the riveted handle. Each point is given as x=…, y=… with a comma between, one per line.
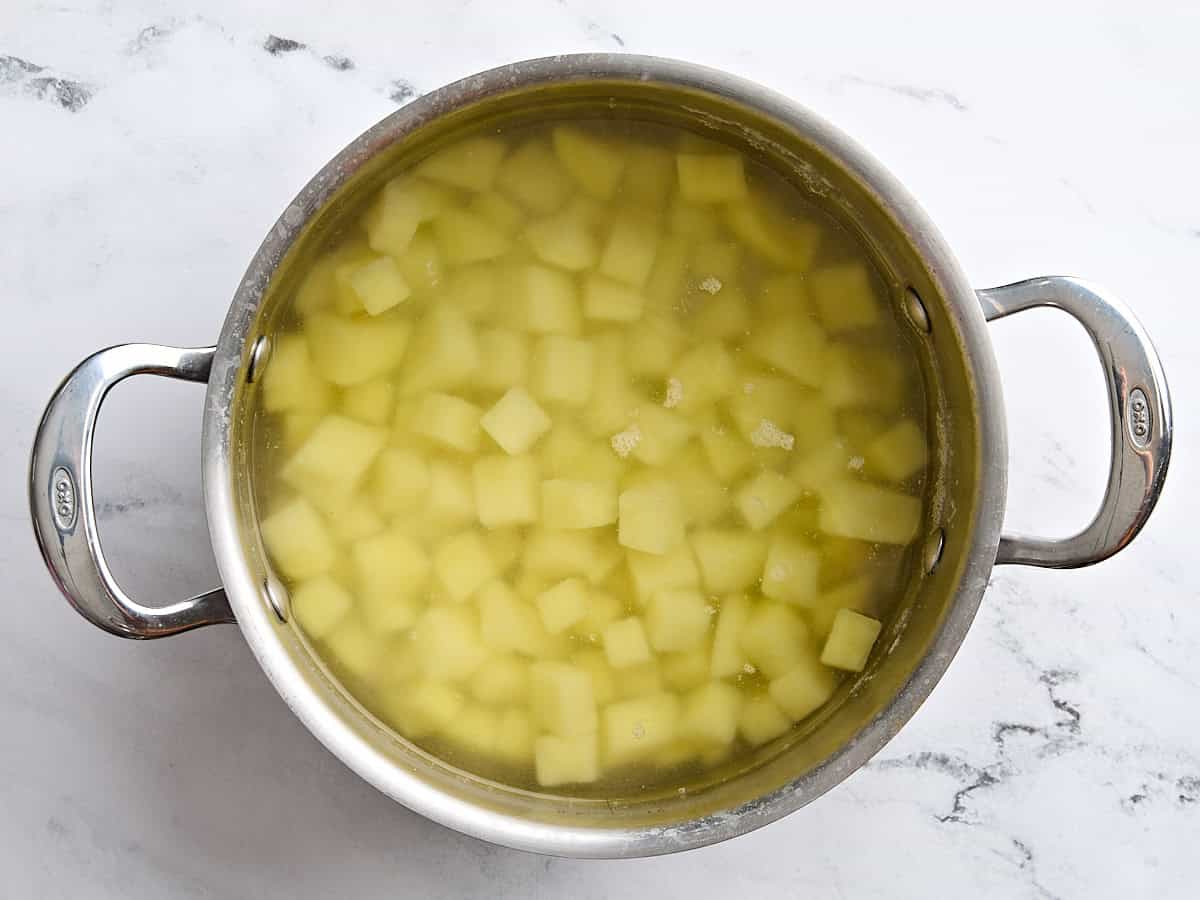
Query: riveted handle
x=61, y=496
x=1139, y=411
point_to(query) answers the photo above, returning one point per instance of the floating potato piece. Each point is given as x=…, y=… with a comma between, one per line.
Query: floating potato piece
x=563, y=605
x=711, y=712
x=783, y=295
x=464, y=237
x=728, y=455
x=603, y=609
x=860, y=376
x=319, y=605
x=563, y=240
x=730, y=559
x=650, y=518
x=355, y=521
x=663, y=434
x=559, y=760
x=462, y=564
x=677, y=619
x=561, y=699
x=474, y=729
x=625, y=643
x=804, y=688
x=544, y=301
x=351, y=351
x=502, y=680
x=697, y=223
x=864, y=511
x=446, y=638
x=333, y=459
x=593, y=661
x=705, y=498
x=775, y=639
x=505, y=545
x=443, y=354
x=652, y=573
x=561, y=369
x=393, y=218
x=372, y=402
x=634, y=729
x=649, y=175
x=821, y=467
x=594, y=163
x=514, y=737
x=707, y=374
x=605, y=300
x=722, y=314
x=777, y=400
x=354, y=648
x=791, y=570
x=845, y=296
x=378, y=285
x=503, y=359
x=399, y=480
x=291, y=380
x=764, y=496
x=728, y=658
x=898, y=453
x=780, y=238
x=614, y=399
x=560, y=554
x=449, y=421
x=506, y=490
x=568, y=503
x=793, y=345
x=534, y=178
x=430, y=706
x=390, y=569
x=762, y=720
x=469, y=163
x=666, y=284
x=516, y=421
x=472, y=290
x=507, y=622
x=628, y=254
x=421, y=264
x=718, y=259
x=568, y=453
x=687, y=670
x=710, y=177
x=638, y=681
x=654, y=346
x=850, y=640
x=498, y=210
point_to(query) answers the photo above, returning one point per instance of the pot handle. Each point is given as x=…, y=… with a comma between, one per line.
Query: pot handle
x=61, y=496
x=1139, y=412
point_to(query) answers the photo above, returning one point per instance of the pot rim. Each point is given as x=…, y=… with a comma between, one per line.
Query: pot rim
x=245, y=594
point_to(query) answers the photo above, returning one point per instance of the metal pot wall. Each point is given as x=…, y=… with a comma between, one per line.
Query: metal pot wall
x=962, y=542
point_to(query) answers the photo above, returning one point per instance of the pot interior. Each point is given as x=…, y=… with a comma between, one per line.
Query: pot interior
x=921, y=633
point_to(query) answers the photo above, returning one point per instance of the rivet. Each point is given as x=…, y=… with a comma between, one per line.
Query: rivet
x=914, y=308
x=258, y=358
x=277, y=597
x=932, y=554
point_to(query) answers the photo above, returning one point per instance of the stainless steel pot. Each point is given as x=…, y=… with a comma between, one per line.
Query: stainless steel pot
x=963, y=540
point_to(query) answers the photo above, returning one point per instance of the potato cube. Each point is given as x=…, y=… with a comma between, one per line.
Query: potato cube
x=603, y=610
x=515, y=421
x=764, y=496
x=443, y=354
x=295, y=429
x=629, y=252
x=605, y=300
x=614, y=400
x=898, y=453
x=568, y=503
x=563, y=240
x=561, y=554
x=857, y=594
x=685, y=671
x=393, y=218
x=354, y=521
x=728, y=455
x=764, y=397
x=470, y=164
x=649, y=175
x=505, y=545
x=503, y=359
x=677, y=619
x=652, y=573
x=561, y=699
x=474, y=729
x=319, y=605
x=730, y=559
x=514, y=737
x=792, y=344
x=472, y=290
x=569, y=453
x=725, y=315
x=447, y=640
x=698, y=223
x=544, y=301
x=762, y=720
x=791, y=570
x=775, y=639
x=451, y=498
x=506, y=490
x=845, y=296
x=507, y=622
x=378, y=285
x=710, y=713
x=710, y=178
x=654, y=346
x=855, y=509
x=625, y=643
x=449, y=421
x=298, y=540
x=663, y=434
x=351, y=351
x=650, y=518
x=804, y=688
x=666, y=285
x=462, y=563
x=390, y=569
x=533, y=177
x=501, y=681
x=781, y=240
x=498, y=210
x=354, y=649
x=595, y=164
x=707, y=374
x=372, y=402
x=596, y=664
x=562, y=605
x=399, y=480
x=850, y=642
x=565, y=760
x=728, y=658
x=561, y=370
x=637, y=728
x=638, y=681
x=431, y=706
x=863, y=376
x=330, y=463
x=422, y=265
x=291, y=381
x=819, y=468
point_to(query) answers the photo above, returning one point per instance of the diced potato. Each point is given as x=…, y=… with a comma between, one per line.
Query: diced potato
x=723, y=314
x=470, y=164
x=563, y=240
x=516, y=421
x=569, y=453
x=710, y=177
x=663, y=434
x=291, y=381
x=862, y=376
x=718, y=259
x=354, y=521
x=354, y=648
x=794, y=345
x=298, y=540
x=431, y=706
x=649, y=175
x=501, y=681
x=762, y=720
x=603, y=610
x=765, y=496
x=563, y=605
x=625, y=643
x=319, y=605
x=614, y=400
x=390, y=569
x=850, y=642
x=898, y=453
x=506, y=490
x=628, y=255
x=449, y=421
x=638, y=681
x=605, y=300
x=594, y=163
x=561, y=554
x=462, y=564
x=399, y=480
x=710, y=713
x=688, y=670
x=295, y=429
x=705, y=498
x=707, y=374
x=845, y=296
x=514, y=737
x=559, y=760
x=443, y=354
x=697, y=223
x=728, y=658
x=472, y=290
x=654, y=346
x=561, y=370
x=447, y=640
x=855, y=509
x=596, y=664
x=634, y=729
x=730, y=559
x=777, y=401
x=561, y=699
x=450, y=499
x=578, y=504
x=728, y=454
x=791, y=570
x=332, y=461
x=421, y=264
x=351, y=351
x=474, y=729
x=650, y=518
x=505, y=545
x=665, y=286
x=503, y=359
x=372, y=402
x=821, y=467
x=775, y=639
x=533, y=177
x=393, y=218
x=652, y=573
x=677, y=619
x=783, y=295
x=378, y=285
x=507, y=622
x=498, y=210
x=804, y=689
x=782, y=240
x=544, y=301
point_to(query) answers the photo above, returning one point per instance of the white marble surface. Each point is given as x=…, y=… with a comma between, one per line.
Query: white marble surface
x=139, y=168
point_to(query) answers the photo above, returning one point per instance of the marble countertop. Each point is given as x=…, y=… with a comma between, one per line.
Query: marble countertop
x=145, y=148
